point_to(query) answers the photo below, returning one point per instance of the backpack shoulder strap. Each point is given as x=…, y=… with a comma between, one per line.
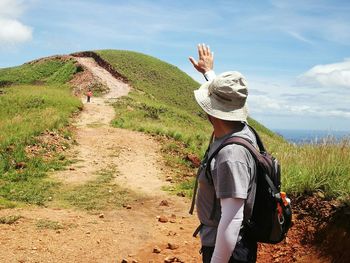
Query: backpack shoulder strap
x=258, y=139
x=248, y=144
x=233, y=140
x=260, y=159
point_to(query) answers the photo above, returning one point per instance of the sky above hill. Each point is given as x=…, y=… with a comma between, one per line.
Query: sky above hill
x=295, y=54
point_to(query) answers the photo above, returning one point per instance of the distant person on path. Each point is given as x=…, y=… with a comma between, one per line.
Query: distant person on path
x=224, y=203
x=88, y=95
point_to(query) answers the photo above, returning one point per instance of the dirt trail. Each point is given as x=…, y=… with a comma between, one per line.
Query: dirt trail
x=100, y=146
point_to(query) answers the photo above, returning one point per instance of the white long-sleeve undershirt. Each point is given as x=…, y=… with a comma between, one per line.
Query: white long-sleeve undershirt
x=228, y=229
x=209, y=75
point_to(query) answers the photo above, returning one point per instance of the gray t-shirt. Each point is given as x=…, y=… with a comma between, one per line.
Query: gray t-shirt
x=234, y=176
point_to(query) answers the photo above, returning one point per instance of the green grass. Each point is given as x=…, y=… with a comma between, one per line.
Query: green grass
x=317, y=167
x=99, y=194
x=9, y=220
x=183, y=188
x=139, y=112
x=51, y=71
x=161, y=81
x=48, y=224
x=4, y=203
x=26, y=111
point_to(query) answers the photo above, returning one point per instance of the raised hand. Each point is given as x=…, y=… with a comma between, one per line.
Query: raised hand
x=205, y=61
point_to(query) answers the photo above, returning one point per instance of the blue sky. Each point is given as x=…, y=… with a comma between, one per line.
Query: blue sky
x=295, y=54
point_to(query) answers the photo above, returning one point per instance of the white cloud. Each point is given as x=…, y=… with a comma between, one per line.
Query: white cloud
x=328, y=75
x=12, y=31
x=298, y=36
x=276, y=97
x=262, y=104
x=11, y=8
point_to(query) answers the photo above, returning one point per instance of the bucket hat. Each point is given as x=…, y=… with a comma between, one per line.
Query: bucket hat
x=224, y=97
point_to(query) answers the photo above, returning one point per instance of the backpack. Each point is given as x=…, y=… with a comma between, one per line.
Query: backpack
x=272, y=214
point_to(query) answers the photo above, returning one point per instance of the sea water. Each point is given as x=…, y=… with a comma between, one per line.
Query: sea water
x=312, y=136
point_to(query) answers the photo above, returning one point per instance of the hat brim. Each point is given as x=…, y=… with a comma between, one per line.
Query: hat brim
x=214, y=108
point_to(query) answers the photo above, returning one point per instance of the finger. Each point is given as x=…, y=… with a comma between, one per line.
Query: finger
x=193, y=61
x=207, y=50
x=200, y=51
x=204, y=47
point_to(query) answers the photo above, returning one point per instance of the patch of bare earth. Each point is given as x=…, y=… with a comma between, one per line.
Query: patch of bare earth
x=320, y=233
x=109, y=236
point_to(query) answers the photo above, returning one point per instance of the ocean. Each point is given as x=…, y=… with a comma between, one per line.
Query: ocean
x=311, y=136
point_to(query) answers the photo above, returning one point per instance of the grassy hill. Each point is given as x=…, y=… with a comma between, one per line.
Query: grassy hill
x=36, y=97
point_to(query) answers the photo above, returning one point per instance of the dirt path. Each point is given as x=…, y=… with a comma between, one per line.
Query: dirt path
x=125, y=233
x=100, y=145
